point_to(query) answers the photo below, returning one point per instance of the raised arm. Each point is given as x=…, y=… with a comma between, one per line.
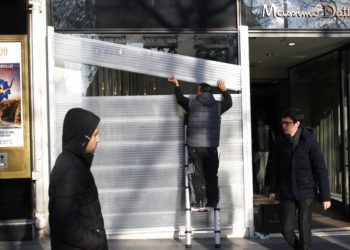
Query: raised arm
x=226, y=104
x=181, y=99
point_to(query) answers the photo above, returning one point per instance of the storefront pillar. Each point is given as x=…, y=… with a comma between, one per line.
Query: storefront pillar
x=246, y=120
x=39, y=110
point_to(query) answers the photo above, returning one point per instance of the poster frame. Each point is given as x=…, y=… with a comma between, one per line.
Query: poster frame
x=17, y=163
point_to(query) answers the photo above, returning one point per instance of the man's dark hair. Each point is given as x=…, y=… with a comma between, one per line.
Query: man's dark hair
x=294, y=113
x=206, y=88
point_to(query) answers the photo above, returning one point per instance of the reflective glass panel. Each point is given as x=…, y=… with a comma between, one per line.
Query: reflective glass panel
x=143, y=14
x=315, y=89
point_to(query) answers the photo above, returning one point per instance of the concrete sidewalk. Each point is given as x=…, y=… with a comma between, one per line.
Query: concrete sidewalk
x=331, y=240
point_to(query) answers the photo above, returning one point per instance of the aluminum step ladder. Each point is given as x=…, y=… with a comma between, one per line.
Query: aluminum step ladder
x=189, y=209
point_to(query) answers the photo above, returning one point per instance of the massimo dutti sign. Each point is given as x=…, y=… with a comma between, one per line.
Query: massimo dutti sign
x=297, y=14
x=327, y=11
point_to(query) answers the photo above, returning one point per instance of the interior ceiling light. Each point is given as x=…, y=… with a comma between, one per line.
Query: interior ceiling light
x=291, y=44
x=269, y=54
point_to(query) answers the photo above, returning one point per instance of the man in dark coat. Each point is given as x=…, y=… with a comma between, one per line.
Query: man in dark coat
x=298, y=172
x=75, y=217
x=203, y=134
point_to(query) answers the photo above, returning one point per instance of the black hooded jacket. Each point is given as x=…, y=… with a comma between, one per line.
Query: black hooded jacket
x=75, y=217
x=298, y=169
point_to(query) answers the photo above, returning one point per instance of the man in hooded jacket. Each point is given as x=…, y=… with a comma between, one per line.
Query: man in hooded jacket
x=203, y=134
x=75, y=217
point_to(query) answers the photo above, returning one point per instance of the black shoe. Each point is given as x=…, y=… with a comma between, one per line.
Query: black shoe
x=211, y=204
x=297, y=245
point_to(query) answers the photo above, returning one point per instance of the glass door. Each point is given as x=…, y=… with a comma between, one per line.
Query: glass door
x=345, y=115
x=315, y=88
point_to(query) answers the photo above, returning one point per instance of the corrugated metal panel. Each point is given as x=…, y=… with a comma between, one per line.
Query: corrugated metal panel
x=68, y=48
x=138, y=165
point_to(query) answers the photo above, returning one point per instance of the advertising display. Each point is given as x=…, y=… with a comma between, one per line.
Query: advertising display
x=11, y=129
x=14, y=103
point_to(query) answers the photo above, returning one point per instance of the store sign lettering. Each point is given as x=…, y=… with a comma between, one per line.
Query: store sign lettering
x=327, y=11
x=331, y=11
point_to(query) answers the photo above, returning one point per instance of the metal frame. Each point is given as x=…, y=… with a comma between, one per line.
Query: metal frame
x=246, y=119
x=216, y=210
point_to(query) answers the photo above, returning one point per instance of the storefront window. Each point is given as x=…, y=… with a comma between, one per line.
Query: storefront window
x=315, y=89
x=345, y=110
x=299, y=14
x=143, y=14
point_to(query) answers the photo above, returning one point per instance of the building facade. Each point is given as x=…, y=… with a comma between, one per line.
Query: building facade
x=298, y=56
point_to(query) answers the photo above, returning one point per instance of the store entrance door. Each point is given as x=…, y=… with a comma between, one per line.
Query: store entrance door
x=288, y=71
x=345, y=143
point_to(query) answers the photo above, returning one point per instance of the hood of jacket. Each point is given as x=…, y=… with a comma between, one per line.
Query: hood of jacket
x=207, y=99
x=307, y=132
x=78, y=126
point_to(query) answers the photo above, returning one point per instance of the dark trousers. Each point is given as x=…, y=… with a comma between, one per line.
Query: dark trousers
x=206, y=162
x=288, y=209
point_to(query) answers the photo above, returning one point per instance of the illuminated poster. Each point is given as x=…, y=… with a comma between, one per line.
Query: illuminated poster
x=11, y=125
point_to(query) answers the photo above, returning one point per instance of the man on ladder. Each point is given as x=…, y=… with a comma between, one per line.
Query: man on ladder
x=202, y=138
